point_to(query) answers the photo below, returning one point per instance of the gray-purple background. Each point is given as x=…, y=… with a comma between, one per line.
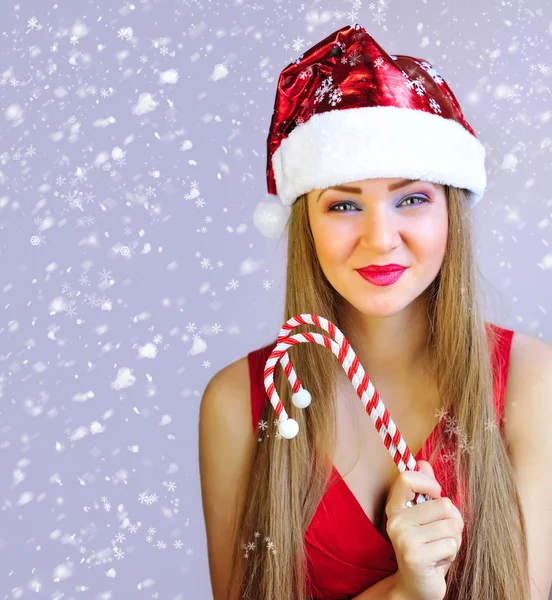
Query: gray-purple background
x=139, y=253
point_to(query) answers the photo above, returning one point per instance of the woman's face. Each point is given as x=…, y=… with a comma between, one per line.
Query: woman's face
x=379, y=223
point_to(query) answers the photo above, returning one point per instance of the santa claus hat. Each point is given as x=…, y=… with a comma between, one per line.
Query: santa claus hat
x=346, y=110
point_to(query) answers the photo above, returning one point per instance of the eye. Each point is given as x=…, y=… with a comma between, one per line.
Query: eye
x=337, y=206
x=420, y=198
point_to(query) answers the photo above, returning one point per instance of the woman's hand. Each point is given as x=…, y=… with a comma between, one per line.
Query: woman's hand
x=426, y=537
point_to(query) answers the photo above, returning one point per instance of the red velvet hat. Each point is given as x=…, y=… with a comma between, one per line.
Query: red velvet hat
x=346, y=110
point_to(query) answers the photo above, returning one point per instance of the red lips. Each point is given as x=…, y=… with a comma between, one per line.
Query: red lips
x=381, y=268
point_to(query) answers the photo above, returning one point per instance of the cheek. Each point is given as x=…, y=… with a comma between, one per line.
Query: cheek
x=431, y=237
x=334, y=241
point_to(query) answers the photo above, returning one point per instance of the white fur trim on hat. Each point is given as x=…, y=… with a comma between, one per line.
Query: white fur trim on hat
x=341, y=146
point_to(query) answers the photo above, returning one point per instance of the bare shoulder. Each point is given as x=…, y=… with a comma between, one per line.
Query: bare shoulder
x=235, y=375
x=529, y=382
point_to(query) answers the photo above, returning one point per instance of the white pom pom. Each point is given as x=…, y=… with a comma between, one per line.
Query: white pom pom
x=289, y=429
x=302, y=398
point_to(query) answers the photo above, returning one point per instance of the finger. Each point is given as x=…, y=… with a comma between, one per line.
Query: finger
x=438, y=530
x=435, y=510
x=433, y=552
x=407, y=485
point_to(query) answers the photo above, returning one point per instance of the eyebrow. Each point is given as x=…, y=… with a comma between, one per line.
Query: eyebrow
x=357, y=190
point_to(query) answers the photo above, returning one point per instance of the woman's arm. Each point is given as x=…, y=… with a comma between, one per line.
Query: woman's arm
x=226, y=448
x=384, y=589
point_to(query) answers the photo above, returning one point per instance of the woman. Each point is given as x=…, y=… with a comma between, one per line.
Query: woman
x=378, y=166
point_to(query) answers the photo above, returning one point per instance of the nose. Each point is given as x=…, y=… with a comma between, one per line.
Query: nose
x=380, y=229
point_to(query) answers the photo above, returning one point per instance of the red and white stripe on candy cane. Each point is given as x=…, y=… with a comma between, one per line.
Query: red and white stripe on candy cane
x=301, y=398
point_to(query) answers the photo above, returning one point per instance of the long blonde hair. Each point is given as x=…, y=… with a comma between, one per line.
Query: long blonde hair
x=289, y=477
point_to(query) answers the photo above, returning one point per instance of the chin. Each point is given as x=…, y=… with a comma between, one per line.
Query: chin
x=380, y=302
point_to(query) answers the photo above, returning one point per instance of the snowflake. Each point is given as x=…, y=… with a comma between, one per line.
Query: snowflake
x=449, y=457
x=491, y=425
x=38, y=240
x=379, y=17
x=161, y=544
x=178, y=544
x=200, y=202
x=354, y=58
x=267, y=284
x=206, y=364
x=216, y=328
x=298, y=44
x=71, y=311
x=451, y=427
x=233, y=285
x=434, y=105
x=105, y=276
x=323, y=89
x=205, y=263
x=262, y=425
x=125, y=33
x=83, y=279
x=143, y=497
x=379, y=62
x=191, y=327
x=220, y=263
x=119, y=554
x=92, y=300
x=32, y=23
x=464, y=444
x=432, y=71
x=335, y=96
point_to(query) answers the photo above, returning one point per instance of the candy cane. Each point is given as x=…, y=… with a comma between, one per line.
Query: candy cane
x=288, y=428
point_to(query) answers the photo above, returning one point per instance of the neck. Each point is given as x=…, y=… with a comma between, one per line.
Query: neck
x=393, y=348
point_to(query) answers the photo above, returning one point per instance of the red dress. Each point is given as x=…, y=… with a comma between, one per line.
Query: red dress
x=346, y=552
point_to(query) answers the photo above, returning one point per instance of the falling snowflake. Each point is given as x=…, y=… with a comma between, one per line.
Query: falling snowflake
x=298, y=44
x=38, y=240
